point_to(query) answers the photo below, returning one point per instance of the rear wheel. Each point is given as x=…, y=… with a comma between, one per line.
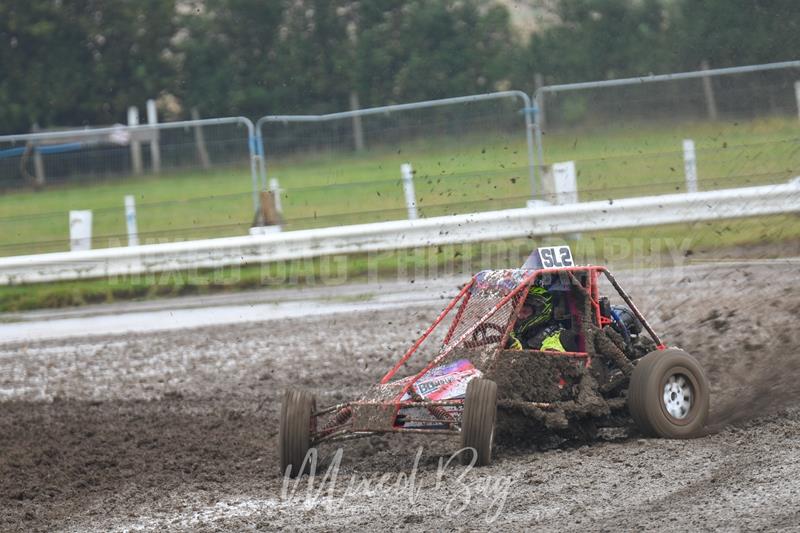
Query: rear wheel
x=669, y=395
x=295, y=430
x=478, y=421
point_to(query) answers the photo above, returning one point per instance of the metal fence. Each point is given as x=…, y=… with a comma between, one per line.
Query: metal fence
x=117, y=153
x=469, y=153
x=191, y=179
x=200, y=179
x=627, y=136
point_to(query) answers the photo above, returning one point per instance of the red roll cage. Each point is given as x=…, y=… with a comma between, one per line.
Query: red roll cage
x=380, y=409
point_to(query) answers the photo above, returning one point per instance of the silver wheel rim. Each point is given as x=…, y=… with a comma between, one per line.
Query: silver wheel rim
x=678, y=396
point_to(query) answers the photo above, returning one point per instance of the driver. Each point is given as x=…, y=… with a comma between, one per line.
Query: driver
x=536, y=327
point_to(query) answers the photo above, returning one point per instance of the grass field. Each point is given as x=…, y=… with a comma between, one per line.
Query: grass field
x=469, y=174
x=472, y=173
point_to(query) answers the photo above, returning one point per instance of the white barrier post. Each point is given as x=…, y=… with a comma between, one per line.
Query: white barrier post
x=690, y=165
x=80, y=230
x=155, y=150
x=130, y=220
x=136, y=146
x=408, y=189
x=275, y=188
x=565, y=183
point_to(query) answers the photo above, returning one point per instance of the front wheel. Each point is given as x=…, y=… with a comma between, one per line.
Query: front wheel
x=295, y=430
x=669, y=395
x=478, y=420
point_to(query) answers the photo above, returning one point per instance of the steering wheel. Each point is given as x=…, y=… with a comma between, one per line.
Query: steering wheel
x=482, y=335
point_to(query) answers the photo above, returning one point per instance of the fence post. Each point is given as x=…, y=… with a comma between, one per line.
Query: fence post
x=538, y=142
x=538, y=124
x=275, y=189
x=38, y=167
x=200, y=141
x=797, y=96
x=690, y=165
x=408, y=189
x=38, y=163
x=136, y=145
x=155, y=149
x=269, y=215
x=130, y=220
x=538, y=83
x=358, y=132
x=708, y=89
x=268, y=218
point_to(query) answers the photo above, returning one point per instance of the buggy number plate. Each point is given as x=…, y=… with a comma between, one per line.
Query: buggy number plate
x=555, y=256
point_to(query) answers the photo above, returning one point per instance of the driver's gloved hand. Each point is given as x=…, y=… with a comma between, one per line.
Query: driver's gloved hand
x=513, y=342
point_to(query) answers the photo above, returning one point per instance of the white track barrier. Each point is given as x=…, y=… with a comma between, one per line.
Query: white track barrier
x=400, y=234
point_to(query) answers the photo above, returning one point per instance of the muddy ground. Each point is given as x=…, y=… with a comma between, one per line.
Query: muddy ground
x=177, y=430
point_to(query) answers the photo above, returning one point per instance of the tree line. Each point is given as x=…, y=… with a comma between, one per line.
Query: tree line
x=66, y=63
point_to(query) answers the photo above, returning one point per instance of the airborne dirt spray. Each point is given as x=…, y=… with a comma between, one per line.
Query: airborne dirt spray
x=741, y=323
x=741, y=326
x=772, y=385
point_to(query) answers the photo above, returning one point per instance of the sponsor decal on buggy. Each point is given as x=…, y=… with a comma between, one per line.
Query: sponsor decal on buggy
x=445, y=382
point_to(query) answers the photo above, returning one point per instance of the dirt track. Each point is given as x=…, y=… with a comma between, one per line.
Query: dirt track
x=178, y=429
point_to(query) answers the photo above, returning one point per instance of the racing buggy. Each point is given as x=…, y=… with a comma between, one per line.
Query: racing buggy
x=473, y=382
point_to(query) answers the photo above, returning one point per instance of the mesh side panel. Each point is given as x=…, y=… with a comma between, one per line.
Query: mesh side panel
x=478, y=347
x=489, y=289
x=386, y=392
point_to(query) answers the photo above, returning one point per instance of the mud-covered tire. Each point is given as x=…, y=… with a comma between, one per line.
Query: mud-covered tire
x=669, y=395
x=295, y=430
x=478, y=420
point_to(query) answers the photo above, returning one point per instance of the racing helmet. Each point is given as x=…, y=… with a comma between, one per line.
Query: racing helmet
x=625, y=320
x=541, y=302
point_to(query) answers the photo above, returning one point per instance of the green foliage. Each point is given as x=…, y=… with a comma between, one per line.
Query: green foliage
x=735, y=32
x=240, y=57
x=78, y=63
x=74, y=63
x=600, y=39
x=419, y=50
x=604, y=39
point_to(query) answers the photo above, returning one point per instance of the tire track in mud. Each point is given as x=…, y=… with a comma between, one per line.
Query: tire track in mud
x=734, y=474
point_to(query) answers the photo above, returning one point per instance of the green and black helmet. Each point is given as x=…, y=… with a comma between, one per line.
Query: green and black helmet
x=541, y=302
